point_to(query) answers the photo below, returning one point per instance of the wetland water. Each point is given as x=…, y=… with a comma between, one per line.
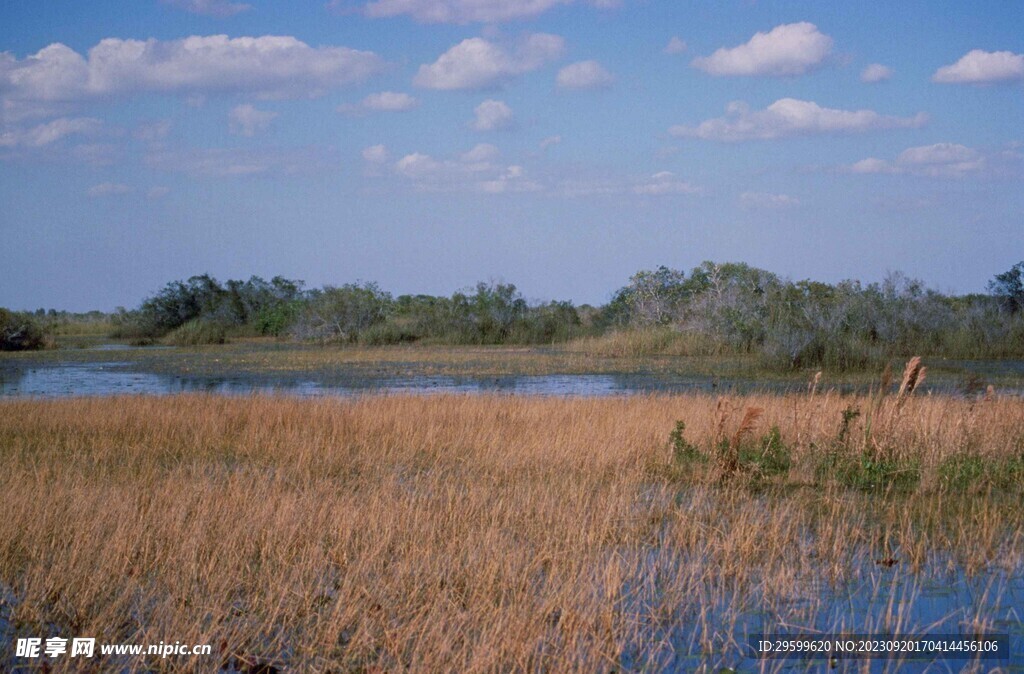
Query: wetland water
x=120, y=378
x=116, y=369
x=80, y=376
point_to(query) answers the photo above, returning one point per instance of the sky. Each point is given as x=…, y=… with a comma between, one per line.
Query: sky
x=560, y=145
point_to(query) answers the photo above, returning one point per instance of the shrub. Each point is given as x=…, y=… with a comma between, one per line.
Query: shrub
x=388, y=332
x=196, y=333
x=277, y=319
x=770, y=456
x=19, y=332
x=342, y=314
x=868, y=473
x=682, y=450
x=961, y=471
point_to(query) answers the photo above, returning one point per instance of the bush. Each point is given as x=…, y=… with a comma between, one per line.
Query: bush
x=771, y=456
x=389, y=332
x=341, y=314
x=869, y=473
x=683, y=451
x=277, y=319
x=19, y=332
x=196, y=333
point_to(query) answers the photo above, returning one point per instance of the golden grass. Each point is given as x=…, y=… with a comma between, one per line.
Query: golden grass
x=476, y=534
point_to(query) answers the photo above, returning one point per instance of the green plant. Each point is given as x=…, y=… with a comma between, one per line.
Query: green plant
x=849, y=415
x=867, y=473
x=961, y=471
x=682, y=450
x=197, y=332
x=19, y=332
x=770, y=456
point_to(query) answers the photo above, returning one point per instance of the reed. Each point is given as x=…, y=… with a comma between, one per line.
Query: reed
x=482, y=533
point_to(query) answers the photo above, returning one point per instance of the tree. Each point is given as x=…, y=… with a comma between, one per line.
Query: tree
x=1008, y=288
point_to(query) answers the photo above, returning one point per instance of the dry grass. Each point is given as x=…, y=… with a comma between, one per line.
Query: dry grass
x=479, y=534
x=640, y=343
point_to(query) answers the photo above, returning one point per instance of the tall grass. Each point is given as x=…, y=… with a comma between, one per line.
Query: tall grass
x=637, y=343
x=479, y=534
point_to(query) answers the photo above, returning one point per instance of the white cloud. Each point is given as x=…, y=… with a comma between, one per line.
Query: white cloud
x=791, y=117
x=268, y=66
x=477, y=170
x=463, y=11
x=376, y=154
x=217, y=8
x=492, y=115
x=982, y=67
x=108, y=189
x=767, y=201
x=417, y=165
x=384, y=101
x=239, y=162
x=477, y=63
x=513, y=179
x=789, y=49
x=245, y=120
x=50, y=132
x=942, y=160
x=664, y=183
x=584, y=75
x=675, y=46
x=479, y=154
x=549, y=141
x=871, y=165
x=875, y=72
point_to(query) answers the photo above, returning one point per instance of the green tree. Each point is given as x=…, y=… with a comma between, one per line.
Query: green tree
x=1008, y=288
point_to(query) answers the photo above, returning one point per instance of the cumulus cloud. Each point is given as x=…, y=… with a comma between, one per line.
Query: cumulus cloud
x=941, y=160
x=245, y=120
x=217, y=8
x=376, y=154
x=767, y=201
x=875, y=72
x=492, y=115
x=476, y=170
x=983, y=67
x=789, y=49
x=268, y=66
x=384, y=101
x=675, y=46
x=480, y=154
x=108, y=189
x=463, y=11
x=584, y=75
x=50, y=132
x=476, y=63
x=512, y=179
x=665, y=183
x=791, y=117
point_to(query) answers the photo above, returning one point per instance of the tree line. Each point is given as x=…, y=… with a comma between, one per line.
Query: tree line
x=715, y=308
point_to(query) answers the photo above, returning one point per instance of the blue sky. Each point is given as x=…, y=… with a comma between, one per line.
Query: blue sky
x=560, y=145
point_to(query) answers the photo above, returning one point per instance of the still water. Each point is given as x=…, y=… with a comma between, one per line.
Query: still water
x=122, y=378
